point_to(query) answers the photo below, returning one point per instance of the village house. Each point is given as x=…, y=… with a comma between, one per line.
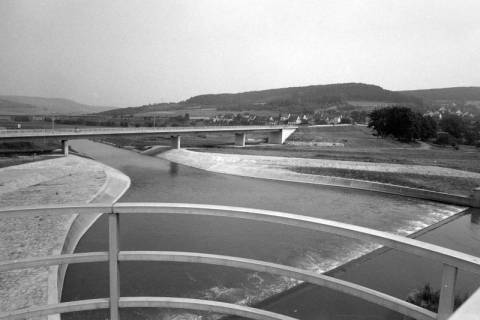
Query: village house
x=294, y=120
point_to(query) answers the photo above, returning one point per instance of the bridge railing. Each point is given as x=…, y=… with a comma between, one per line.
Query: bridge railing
x=83, y=130
x=451, y=260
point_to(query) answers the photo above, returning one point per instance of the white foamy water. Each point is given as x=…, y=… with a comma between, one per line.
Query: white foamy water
x=260, y=286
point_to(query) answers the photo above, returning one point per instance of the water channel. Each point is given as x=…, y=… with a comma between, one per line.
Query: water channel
x=157, y=180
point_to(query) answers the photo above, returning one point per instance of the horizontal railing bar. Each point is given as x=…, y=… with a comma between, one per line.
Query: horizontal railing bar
x=145, y=302
x=53, y=260
x=80, y=208
x=201, y=305
x=64, y=307
x=352, y=289
x=454, y=258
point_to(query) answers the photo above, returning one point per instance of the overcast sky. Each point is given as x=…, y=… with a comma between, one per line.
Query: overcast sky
x=128, y=53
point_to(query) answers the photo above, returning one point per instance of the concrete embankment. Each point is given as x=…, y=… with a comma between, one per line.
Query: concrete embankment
x=57, y=181
x=276, y=168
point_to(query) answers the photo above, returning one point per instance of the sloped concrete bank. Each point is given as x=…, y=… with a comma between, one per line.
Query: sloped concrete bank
x=62, y=180
x=116, y=184
x=276, y=168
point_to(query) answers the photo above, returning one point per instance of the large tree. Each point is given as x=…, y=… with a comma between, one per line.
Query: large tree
x=402, y=123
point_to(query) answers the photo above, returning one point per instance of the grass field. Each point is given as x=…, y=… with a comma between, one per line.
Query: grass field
x=434, y=183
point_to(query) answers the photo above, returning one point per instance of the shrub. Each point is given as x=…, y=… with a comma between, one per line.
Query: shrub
x=402, y=123
x=429, y=299
x=445, y=139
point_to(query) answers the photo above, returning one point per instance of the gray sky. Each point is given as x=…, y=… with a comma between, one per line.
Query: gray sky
x=127, y=53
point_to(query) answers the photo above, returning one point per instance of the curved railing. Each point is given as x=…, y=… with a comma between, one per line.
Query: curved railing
x=452, y=261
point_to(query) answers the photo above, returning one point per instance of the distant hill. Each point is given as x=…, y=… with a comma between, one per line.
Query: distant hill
x=307, y=96
x=11, y=107
x=41, y=106
x=143, y=109
x=451, y=94
x=342, y=96
x=293, y=99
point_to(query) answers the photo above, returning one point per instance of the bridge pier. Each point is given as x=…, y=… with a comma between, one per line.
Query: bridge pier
x=280, y=136
x=475, y=195
x=176, y=142
x=240, y=139
x=65, y=147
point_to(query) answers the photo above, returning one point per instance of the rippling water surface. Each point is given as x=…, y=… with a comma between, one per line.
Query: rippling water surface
x=157, y=180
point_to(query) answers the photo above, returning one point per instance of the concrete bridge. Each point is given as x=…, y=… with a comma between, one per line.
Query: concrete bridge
x=452, y=261
x=277, y=134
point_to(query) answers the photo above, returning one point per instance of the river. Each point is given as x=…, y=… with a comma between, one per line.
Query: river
x=157, y=180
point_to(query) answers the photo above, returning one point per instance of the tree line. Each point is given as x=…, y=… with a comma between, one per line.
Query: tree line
x=406, y=125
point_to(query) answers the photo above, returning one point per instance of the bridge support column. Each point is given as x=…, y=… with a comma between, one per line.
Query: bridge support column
x=280, y=136
x=65, y=147
x=176, y=142
x=475, y=197
x=240, y=139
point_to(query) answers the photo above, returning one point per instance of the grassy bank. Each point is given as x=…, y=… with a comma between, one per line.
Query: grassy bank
x=434, y=183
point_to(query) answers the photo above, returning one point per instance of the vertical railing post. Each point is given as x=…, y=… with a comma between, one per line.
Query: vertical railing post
x=447, y=292
x=114, y=277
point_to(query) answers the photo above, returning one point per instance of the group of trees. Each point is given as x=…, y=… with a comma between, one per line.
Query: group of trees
x=407, y=125
x=463, y=130
x=402, y=123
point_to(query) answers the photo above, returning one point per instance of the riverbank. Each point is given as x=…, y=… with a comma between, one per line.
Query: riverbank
x=290, y=169
x=61, y=180
x=21, y=159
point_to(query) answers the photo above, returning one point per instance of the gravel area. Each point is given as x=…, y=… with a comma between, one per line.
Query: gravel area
x=57, y=181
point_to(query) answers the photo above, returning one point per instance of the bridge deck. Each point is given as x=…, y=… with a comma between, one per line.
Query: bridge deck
x=80, y=133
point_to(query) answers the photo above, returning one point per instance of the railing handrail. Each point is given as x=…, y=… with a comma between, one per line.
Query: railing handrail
x=346, y=287
x=147, y=302
x=452, y=260
x=452, y=257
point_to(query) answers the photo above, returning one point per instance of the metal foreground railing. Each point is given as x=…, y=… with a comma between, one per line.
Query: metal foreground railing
x=452, y=261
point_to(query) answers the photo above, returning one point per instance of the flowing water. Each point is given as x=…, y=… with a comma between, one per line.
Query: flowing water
x=157, y=180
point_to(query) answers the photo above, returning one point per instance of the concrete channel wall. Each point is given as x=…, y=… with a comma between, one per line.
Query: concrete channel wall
x=249, y=166
x=461, y=200
x=115, y=186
